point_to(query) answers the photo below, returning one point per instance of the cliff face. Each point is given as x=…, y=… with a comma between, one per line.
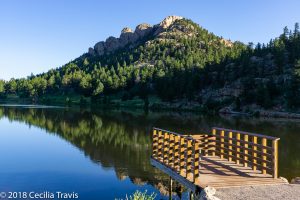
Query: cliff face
x=129, y=37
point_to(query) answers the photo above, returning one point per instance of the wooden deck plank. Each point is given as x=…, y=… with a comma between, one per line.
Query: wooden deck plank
x=220, y=173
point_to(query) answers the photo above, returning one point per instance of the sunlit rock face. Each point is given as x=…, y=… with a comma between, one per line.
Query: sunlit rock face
x=128, y=37
x=166, y=23
x=142, y=30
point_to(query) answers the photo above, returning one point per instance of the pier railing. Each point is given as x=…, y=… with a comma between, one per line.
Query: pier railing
x=182, y=153
x=179, y=152
x=260, y=152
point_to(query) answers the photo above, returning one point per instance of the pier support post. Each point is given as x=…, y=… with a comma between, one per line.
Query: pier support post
x=170, y=188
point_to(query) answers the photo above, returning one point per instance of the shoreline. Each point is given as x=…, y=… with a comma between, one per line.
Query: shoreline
x=267, y=114
x=259, y=113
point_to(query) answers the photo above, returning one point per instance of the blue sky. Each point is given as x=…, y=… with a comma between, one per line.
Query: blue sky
x=37, y=35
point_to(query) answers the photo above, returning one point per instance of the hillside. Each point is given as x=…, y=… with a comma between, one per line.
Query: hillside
x=175, y=64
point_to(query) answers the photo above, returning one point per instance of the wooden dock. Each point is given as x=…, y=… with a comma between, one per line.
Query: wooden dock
x=223, y=158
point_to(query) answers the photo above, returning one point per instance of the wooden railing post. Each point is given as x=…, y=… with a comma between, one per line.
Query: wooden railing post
x=196, y=161
x=214, y=143
x=160, y=145
x=254, y=154
x=245, y=151
x=192, y=159
x=222, y=144
x=264, y=157
x=171, y=151
x=177, y=153
x=206, y=145
x=230, y=146
x=238, y=143
x=182, y=156
x=165, y=147
x=154, y=142
x=188, y=158
x=275, y=158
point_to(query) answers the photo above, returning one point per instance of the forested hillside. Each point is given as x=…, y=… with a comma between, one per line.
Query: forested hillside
x=177, y=62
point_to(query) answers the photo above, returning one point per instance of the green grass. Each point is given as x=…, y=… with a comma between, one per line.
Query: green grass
x=69, y=99
x=135, y=102
x=14, y=99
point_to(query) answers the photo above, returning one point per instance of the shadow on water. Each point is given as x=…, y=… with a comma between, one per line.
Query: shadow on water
x=121, y=139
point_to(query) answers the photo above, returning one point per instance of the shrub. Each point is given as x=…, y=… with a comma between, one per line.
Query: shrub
x=138, y=195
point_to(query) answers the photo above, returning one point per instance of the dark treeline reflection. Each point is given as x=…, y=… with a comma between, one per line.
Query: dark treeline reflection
x=121, y=139
x=112, y=139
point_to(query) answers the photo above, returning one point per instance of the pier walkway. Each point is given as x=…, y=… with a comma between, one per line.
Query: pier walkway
x=221, y=159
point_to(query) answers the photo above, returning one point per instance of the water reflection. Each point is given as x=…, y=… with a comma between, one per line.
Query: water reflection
x=120, y=139
x=111, y=139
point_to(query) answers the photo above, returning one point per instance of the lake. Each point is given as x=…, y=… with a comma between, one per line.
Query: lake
x=105, y=154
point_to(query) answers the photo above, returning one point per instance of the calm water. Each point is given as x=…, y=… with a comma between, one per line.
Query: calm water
x=105, y=154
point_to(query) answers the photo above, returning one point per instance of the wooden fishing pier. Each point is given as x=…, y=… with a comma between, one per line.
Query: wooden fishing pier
x=223, y=158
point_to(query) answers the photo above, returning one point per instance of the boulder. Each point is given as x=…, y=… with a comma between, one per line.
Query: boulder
x=295, y=180
x=208, y=194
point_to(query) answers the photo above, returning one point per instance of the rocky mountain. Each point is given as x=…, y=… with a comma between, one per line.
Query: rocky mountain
x=129, y=37
x=176, y=64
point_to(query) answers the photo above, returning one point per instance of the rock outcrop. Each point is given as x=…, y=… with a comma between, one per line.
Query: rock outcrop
x=227, y=43
x=168, y=21
x=143, y=29
x=129, y=37
x=99, y=48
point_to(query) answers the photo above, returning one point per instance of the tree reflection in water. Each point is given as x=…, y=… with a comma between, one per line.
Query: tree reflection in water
x=121, y=139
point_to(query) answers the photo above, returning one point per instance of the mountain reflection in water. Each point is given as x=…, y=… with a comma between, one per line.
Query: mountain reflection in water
x=120, y=140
